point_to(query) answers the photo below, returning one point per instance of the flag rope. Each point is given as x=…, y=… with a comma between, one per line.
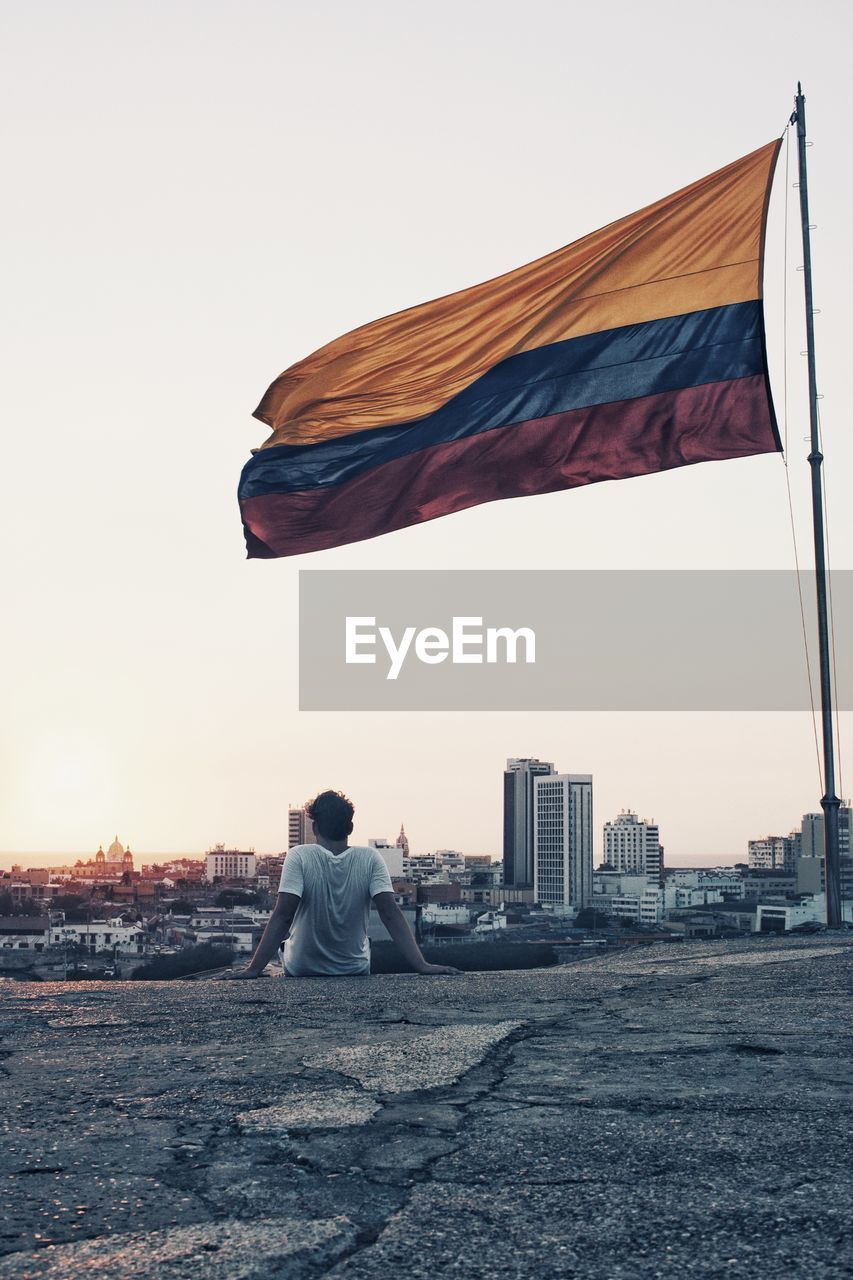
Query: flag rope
x=787, y=136
x=837, y=725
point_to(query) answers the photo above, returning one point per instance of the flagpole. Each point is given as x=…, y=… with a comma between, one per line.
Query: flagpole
x=830, y=802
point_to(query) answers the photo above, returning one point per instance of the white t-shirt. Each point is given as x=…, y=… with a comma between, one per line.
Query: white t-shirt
x=329, y=931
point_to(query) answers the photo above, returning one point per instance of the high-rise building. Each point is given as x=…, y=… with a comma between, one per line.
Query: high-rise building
x=299, y=828
x=633, y=846
x=519, y=778
x=811, y=833
x=562, y=830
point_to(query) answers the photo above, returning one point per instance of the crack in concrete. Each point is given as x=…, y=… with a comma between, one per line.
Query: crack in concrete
x=477, y=1083
x=469, y=1087
x=492, y=1065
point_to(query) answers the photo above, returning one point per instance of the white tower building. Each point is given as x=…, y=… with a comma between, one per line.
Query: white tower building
x=562, y=832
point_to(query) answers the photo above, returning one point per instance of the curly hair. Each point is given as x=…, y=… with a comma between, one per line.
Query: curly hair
x=331, y=812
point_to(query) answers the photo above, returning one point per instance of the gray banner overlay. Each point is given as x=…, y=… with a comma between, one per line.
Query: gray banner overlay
x=574, y=640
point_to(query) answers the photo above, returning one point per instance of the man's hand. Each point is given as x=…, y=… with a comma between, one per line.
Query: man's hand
x=277, y=928
x=426, y=967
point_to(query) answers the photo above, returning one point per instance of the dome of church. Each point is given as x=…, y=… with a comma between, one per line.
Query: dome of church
x=116, y=851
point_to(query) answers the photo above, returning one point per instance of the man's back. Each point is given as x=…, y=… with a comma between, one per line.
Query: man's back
x=329, y=930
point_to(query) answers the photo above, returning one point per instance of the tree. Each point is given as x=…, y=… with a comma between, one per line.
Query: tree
x=589, y=918
x=236, y=898
x=73, y=905
x=182, y=907
x=7, y=904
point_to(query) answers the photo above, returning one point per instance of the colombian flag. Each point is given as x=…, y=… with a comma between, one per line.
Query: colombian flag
x=636, y=349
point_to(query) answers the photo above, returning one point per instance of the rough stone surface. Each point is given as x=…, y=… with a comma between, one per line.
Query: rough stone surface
x=251, y=1250
x=654, y=1114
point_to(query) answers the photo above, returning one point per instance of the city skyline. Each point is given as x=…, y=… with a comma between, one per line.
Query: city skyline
x=150, y=672
x=807, y=821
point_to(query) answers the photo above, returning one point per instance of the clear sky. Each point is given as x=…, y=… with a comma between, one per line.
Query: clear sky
x=198, y=194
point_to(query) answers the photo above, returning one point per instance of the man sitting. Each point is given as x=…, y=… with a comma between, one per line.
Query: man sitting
x=323, y=904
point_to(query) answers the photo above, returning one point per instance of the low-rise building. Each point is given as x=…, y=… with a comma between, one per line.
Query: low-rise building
x=114, y=934
x=230, y=864
x=434, y=891
x=215, y=917
x=24, y=933
x=391, y=854
x=678, y=897
x=728, y=880
x=486, y=895
x=737, y=915
x=268, y=872
x=24, y=891
x=769, y=886
x=645, y=907
x=608, y=883
x=242, y=934
x=445, y=913
x=451, y=861
x=417, y=867
x=773, y=917
x=491, y=922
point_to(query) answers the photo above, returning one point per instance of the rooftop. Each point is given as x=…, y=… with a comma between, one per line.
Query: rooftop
x=664, y=1112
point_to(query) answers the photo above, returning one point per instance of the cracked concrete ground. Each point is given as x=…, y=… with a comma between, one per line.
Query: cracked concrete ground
x=659, y=1113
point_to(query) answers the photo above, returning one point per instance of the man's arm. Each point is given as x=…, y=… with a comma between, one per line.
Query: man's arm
x=274, y=934
x=398, y=927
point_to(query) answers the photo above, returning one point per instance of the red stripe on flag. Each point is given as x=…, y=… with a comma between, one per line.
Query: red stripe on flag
x=583, y=446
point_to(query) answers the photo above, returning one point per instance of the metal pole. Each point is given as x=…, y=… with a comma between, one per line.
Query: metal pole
x=830, y=802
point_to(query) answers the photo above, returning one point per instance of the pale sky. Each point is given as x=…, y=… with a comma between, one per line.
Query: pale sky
x=198, y=194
